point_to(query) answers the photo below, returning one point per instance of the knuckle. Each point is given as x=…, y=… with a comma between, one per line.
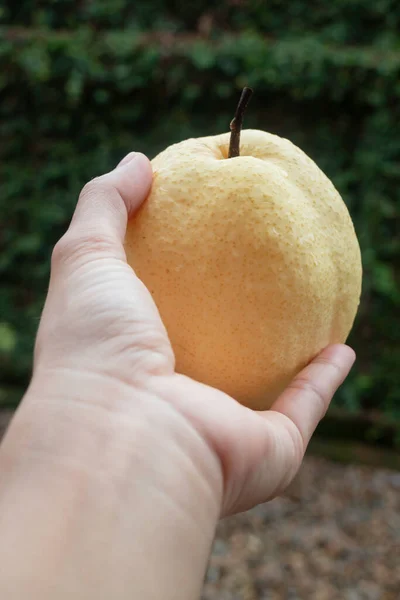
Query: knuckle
x=151, y=356
x=60, y=251
x=95, y=187
x=146, y=350
x=152, y=363
x=306, y=386
x=72, y=247
x=298, y=444
x=326, y=362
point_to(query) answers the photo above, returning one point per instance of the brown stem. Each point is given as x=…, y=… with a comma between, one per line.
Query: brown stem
x=237, y=122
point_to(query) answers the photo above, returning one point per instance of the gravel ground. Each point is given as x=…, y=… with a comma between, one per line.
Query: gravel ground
x=334, y=536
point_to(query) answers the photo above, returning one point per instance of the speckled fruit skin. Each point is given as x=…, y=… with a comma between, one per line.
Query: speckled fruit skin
x=253, y=262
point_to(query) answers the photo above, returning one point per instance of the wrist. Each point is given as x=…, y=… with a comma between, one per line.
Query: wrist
x=129, y=468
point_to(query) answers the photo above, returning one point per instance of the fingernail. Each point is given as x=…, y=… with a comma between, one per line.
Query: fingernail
x=128, y=158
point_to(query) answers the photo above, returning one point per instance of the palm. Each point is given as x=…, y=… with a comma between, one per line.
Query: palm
x=259, y=452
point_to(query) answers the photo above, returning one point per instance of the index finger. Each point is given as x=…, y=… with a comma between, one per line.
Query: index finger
x=106, y=202
x=101, y=215
x=307, y=398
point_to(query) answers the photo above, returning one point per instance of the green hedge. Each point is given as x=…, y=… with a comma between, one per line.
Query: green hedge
x=338, y=21
x=83, y=82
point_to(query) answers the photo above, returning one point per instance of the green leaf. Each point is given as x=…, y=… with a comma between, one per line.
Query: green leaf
x=8, y=338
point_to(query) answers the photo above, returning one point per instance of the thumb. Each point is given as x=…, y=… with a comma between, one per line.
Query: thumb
x=104, y=206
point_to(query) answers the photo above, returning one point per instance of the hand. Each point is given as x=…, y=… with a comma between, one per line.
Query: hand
x=104, y=389
x=100, y=318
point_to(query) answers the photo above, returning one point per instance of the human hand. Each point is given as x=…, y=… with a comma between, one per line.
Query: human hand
x=100, y=318
x=104, y=389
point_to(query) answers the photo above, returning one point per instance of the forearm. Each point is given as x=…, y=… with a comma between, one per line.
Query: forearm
x=123, y=506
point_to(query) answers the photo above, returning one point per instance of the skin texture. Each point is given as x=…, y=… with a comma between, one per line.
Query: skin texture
x=116, y=469
x=253, y=262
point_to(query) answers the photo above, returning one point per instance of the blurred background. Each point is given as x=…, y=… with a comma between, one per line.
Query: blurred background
x=82, y=82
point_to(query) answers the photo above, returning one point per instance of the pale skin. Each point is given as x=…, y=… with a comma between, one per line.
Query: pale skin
x=116, y=469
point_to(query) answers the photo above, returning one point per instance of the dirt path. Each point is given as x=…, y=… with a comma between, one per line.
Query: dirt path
x=336, y=536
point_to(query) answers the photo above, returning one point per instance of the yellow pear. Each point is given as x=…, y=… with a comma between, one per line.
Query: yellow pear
x=252, y=261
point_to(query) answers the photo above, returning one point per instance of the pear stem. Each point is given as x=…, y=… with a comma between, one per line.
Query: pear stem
x=237, y=123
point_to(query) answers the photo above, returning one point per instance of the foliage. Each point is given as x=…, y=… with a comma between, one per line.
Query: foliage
x=84, y=81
